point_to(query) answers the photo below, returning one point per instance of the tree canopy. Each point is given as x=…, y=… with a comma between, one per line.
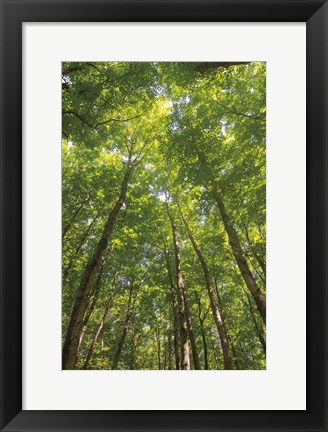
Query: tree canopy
x=164, y=215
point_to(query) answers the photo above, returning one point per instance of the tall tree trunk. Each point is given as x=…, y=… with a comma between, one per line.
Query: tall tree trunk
x=80, y=305
x=120, y=346
x=174, y=310
x=129, y=312
x=191, y=332
x=189, y=326
x=257, y=329
x=169, y=343
x=164, y=352
x=93, y=296
x=91, y=306
x=205, y=349
x=260, y=258
x=77, y=250
x=228, y=363
x=159, y=349
x=185, y=360
x=234, y=352
x=201, y=322
x=214, y=349
x=102, y=322
x=251, y=284
x=73, y=218
x=133, y=351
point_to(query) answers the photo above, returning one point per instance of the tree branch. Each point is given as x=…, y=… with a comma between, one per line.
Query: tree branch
x=232, y=110
x=83, y=120
x=116, y=120
x=202, y=67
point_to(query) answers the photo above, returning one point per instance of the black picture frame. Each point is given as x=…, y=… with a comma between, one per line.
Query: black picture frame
x=13, y=14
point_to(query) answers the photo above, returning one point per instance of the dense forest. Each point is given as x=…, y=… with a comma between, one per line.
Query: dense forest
x=163, y=215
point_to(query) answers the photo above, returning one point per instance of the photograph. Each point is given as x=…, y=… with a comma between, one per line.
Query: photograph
x=163, y=169
x=164, y=215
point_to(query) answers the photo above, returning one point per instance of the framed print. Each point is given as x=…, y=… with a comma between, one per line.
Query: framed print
x=152, y=296
x=157, y=142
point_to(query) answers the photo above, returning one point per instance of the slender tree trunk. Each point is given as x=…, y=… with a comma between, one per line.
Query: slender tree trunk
x=228, y=363
x=201, y=322
x=133, y=352
x=258, y=258
x=164, y=352
x=77, y=250
x=129, y=312
x=257, y=329
x=205, y=350
x=91, y=307
x=73, y=218
x=169, y=342
x=251, y=284
x=174, y=310
x=159, y=349
x=119, y=347
x=191, y=333
x=190, y=330
x=235, y=357
x=102, y=322
x=185, y=360
x=80, y=305
x=214, y=349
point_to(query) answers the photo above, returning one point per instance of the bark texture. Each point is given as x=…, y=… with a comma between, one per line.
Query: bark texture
x=74, y=216
x=191, y=333
x=202, y=318
x=185, y=360
x=102, y=323
x=227, y=357
x=250, y=282
x=71, y=344
x=74, y=256
x=91, y=305
x=129, y=312
x=233, y=349
x=174, y=310
x=256, y=326
x=237, y=251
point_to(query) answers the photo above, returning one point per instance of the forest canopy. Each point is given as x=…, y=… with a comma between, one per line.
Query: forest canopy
x=163, y=215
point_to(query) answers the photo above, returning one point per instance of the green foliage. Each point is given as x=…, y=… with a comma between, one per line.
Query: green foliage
x=190, y=130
